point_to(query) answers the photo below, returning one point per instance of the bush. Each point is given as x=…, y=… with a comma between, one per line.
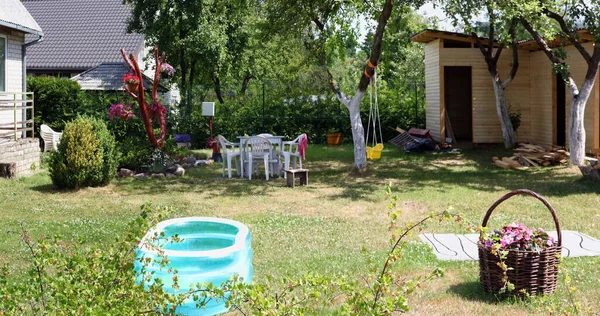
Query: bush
x=76, y=278
x=55, y=100
x=86, y=155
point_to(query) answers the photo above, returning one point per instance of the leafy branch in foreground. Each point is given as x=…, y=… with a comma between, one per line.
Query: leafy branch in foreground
x=76, y=278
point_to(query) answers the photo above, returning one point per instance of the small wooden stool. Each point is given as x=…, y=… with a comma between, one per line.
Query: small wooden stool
x=301, y=174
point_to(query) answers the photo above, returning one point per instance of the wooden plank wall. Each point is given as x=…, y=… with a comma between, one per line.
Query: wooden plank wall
x=432, y=89
x=578, y=68
x=541, y=99
x=486, y=126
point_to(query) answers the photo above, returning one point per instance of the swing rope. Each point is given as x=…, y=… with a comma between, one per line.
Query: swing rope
x=374, y=117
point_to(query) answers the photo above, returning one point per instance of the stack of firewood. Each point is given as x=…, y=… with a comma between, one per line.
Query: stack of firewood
x=529, y=155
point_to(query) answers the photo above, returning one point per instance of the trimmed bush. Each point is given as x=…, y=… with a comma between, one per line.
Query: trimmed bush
x=86, y=155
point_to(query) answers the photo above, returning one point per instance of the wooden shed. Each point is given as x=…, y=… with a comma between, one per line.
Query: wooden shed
x=459, y=94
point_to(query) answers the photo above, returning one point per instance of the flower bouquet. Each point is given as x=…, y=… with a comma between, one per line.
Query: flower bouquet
x=517, y=259
x=120, y=111
x=166, y=71
x=131, y=81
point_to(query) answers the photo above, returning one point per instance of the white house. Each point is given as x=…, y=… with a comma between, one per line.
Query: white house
x=16, y=109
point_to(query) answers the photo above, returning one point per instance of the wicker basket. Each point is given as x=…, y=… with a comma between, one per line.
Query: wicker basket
x=534, y=272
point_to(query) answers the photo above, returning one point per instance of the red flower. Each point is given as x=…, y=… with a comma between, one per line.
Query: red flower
x=130, y=78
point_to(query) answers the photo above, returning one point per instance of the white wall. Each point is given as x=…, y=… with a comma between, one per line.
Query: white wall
x=14, y=68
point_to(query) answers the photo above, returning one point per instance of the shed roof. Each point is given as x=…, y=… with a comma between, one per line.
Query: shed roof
x=80, y=34
x=107, y=77
x=14, y=15
x=429, y=35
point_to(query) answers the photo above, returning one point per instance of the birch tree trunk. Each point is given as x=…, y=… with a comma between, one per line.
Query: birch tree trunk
x=508, y=132
x=358, y=131
x=576, y=126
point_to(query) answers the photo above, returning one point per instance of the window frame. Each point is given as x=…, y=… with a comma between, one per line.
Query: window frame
x=5, y=37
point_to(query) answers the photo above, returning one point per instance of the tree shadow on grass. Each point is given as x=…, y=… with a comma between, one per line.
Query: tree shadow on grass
x=472, y=291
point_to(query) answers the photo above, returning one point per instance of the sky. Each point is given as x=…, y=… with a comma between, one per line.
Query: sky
x=428, y=10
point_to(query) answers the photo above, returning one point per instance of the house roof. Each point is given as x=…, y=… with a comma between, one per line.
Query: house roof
x=80, y=34
x=429, y=35
x=107, y=77
x=14, y=15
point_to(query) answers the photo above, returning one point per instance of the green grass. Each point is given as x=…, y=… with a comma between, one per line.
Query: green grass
x=322, y=227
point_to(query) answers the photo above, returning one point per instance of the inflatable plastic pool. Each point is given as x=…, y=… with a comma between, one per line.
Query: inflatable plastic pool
x=211, y=250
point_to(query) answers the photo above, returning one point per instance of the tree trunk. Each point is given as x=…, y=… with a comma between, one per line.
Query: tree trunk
x=576, y=126
x=218, y=91
x=508, y=133
x=358, y=131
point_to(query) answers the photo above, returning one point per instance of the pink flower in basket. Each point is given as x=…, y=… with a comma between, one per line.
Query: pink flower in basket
x=518, y=236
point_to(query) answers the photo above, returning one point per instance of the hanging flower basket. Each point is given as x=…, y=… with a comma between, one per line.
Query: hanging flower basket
x=533, y=270
x=131, y=81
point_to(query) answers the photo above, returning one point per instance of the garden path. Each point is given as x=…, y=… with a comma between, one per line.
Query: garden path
x=464, y=246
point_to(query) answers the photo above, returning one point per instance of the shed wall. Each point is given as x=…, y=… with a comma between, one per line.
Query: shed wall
x=541, y=99
x=486, y=126
x=433, y=74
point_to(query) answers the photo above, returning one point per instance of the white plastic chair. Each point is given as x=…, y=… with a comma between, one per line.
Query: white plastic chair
x=257, y=147
x=50, y=137
x=291, y=152
x=229, y=152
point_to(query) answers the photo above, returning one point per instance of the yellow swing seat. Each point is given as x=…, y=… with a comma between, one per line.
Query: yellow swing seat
x=374, y=152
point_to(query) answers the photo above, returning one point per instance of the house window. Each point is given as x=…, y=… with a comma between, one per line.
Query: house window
x=2, y=63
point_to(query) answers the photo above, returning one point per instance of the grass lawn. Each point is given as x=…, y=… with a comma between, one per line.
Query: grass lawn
x=322, y=227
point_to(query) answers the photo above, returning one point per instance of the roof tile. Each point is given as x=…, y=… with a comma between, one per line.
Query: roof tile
x=80, y=34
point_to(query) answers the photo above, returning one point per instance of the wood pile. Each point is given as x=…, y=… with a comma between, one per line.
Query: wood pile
x=529, y=155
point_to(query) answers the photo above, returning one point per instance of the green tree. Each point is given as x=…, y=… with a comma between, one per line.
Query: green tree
x=208, y=40
x=326, y=27
x=540, y=19
x=501, y=31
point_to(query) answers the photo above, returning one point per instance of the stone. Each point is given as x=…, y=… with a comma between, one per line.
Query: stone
x=158, y=175
x=125, y=173
x=176, y=169
x=140, y=176
x=191, y=159
x=180, y=171
x=169, y=175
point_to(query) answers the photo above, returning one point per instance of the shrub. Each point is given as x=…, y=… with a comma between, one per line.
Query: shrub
x=55, y=99
x=86, y=155
x=75, y=278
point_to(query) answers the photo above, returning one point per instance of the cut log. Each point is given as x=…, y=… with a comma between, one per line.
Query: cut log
x=511, y=162
x=8, y=170
x=502, y=164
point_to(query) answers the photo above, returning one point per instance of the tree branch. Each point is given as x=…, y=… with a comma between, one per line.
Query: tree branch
x=377, y=41
x=515, y=55
x=336, y=89
x=549, y=53
x=482, y=48
x=571, y=35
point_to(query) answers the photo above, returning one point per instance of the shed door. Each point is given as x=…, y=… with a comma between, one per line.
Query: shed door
x=457, y=96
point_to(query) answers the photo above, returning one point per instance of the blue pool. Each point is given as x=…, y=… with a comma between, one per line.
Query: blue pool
x=211, y=250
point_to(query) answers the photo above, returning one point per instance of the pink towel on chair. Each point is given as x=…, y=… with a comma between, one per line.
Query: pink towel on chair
x=302, y=146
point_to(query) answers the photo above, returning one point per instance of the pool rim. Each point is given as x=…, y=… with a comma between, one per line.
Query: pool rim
x=239, y=243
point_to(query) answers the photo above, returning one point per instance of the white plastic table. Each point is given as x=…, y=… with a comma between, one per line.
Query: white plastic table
x=276, y=141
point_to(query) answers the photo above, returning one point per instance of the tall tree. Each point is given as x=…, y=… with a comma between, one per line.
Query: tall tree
x=324, y=25
x=207, y=40
x=568, y=14
x=501, y=31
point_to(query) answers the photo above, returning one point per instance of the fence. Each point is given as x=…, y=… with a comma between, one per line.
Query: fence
x=13, y=115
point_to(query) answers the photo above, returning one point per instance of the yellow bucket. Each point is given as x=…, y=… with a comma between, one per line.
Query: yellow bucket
x=374, y=152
